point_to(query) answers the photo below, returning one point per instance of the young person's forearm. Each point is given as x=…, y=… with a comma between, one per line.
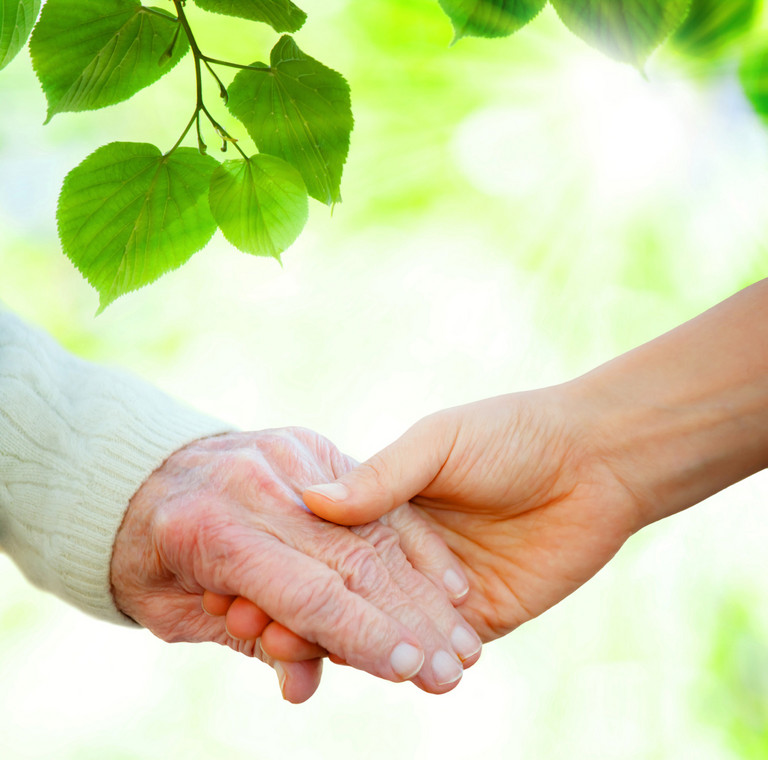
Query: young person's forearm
x=686, y=415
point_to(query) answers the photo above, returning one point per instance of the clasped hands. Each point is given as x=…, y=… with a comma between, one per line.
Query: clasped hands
x=476, y=520
x=223, y=517
x=501, y=508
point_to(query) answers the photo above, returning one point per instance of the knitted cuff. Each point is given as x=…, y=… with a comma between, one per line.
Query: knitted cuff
x=76, y=442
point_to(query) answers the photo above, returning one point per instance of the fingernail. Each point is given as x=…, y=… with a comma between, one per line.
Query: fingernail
x=446, y=668
x=332, y=491
x=465, y=643
x=281, y=675
x=406, y=660
x=457, y=587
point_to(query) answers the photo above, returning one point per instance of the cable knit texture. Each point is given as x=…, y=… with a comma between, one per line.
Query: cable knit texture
x=76, y=442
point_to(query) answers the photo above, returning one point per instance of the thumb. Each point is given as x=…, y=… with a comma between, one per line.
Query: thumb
x=388, y=479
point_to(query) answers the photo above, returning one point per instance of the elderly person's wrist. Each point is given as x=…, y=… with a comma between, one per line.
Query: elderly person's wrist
x=76, y=442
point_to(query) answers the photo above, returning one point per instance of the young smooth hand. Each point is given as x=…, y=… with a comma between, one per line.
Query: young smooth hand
x=516, y=486
x=535, y=492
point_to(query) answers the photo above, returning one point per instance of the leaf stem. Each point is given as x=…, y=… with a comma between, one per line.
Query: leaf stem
x=179, y=5
x=222, y=87
x=200, y=106
x=222, y=132
x=219, y=62
x=195, y=116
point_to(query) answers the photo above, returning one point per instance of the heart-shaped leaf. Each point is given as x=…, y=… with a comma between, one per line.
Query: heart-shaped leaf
x=300, y=111
x=281, y=15
x=93, y=53
x=17, y=17
x=627, y=30
x=490, y=18
x=260, y=204
x=128, y=214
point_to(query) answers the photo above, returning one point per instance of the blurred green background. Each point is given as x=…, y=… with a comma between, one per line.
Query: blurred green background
x=515, y=212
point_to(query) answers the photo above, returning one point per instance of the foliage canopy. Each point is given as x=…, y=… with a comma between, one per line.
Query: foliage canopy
x=131, y=211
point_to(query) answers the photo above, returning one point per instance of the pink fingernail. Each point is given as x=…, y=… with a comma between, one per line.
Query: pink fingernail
x=332, y=491
x=456, y=586
x=446, y=668
x=406, y=660
x=465, y=643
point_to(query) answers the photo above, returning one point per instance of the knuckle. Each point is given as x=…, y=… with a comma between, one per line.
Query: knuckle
x=289, y=454
x=362, y=569
x=415, y=533
x=384, y=540
x=305, y=436
x=243, y=464
x=274, y=443
x=249, y=476
x=326, y=613
x=369, y=634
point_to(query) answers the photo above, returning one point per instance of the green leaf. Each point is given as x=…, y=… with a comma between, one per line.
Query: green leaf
x=300, y=111
x=627, y=30
x=128, y=214
x=94, y=53
x=260, y=204
x=713, y=24
x=753, y=73
x=281, y=15
x=490, y=18
x=17, y=17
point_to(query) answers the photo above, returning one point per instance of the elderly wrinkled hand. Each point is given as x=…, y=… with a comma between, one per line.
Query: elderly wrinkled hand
x=224, y=515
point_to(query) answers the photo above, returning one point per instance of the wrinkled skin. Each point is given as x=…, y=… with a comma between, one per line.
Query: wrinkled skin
x=225, y=515
x=517, y=486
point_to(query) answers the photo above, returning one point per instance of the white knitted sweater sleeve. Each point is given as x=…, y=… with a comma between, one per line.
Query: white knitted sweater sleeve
x=76, y=442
